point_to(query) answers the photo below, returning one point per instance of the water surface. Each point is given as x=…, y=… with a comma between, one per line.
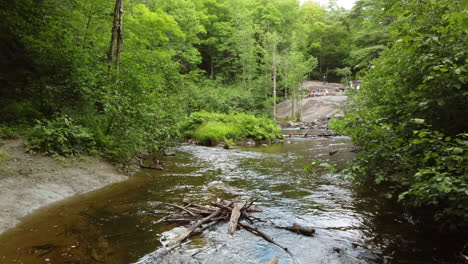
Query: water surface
x=117, y=224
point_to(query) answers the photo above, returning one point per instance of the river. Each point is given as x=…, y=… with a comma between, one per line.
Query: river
x=117, y=224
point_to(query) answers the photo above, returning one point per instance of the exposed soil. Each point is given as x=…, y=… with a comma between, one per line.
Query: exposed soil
x=29, y=181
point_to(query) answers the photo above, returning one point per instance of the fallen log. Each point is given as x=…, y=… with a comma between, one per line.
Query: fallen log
x=204, y=217
x=235, y=215
x=177, y=220
x=306, y=231
x=176, y=241
x=249, y=208
x=254, y=230
x=183, y=208
x=201, y=209
x=251, y=217
x=169, y=216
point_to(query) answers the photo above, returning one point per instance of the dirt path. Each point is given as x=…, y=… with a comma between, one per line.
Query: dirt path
x=315, y=108
x=28, y=181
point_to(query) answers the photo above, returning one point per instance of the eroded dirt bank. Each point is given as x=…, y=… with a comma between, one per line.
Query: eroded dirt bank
x=28, y=182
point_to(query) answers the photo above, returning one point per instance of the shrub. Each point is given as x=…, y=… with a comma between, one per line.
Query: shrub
x=409, y=117
x=209, y=128
x=14, y=112
x=7, y=132
x=60, y=136
x=441, y=178
x=211, y=132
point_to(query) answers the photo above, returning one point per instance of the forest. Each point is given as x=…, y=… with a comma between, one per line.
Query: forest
x=119, y=77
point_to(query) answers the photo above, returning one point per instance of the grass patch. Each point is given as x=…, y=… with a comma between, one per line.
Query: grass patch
x=6, y=171
x=4, y=155
x=214, y=131
x=211, y=128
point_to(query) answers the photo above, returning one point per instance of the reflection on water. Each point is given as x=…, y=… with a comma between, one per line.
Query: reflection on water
x=117, y=224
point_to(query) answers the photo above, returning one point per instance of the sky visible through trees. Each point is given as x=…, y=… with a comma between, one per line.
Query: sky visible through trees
x=348, y=4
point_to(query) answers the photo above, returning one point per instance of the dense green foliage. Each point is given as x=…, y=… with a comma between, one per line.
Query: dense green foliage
x=211, y=128
x=410, y=116
x=60, y=136
x=178, y=57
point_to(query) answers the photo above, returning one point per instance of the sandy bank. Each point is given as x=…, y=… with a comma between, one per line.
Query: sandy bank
x=28, y=181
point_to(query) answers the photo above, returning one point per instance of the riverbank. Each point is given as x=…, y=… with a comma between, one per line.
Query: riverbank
x=28, y=181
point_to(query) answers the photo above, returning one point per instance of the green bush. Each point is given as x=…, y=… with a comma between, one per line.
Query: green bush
x=211, y=132
x=441, y=179
x=409, y=117
x=7, y=132
x=425, y=170
x=60, y=136
x=14, y=112
x=209, y=128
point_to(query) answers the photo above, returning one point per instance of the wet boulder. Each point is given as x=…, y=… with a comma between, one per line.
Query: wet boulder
x=169, y=153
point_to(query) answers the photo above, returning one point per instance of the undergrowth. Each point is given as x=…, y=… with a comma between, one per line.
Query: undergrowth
x=211, y=128
x=60, y=136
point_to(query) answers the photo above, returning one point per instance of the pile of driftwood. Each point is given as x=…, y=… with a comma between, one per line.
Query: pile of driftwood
x=237, y=212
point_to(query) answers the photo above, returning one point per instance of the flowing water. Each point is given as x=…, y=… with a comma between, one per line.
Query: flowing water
x=117, y=224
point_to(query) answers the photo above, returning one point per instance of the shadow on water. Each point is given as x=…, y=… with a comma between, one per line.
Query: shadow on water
x=117, y=224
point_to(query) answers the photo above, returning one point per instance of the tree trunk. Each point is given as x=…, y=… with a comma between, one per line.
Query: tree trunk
x=110, y=55
x=287, y=81
x=212, y=67
x=274, y=80
x=116, y=37
x=293, y=101
x=300, y=102
x=119, y=36
x=88, y=24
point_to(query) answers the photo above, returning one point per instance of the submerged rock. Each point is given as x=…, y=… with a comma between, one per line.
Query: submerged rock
x=250, y=143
